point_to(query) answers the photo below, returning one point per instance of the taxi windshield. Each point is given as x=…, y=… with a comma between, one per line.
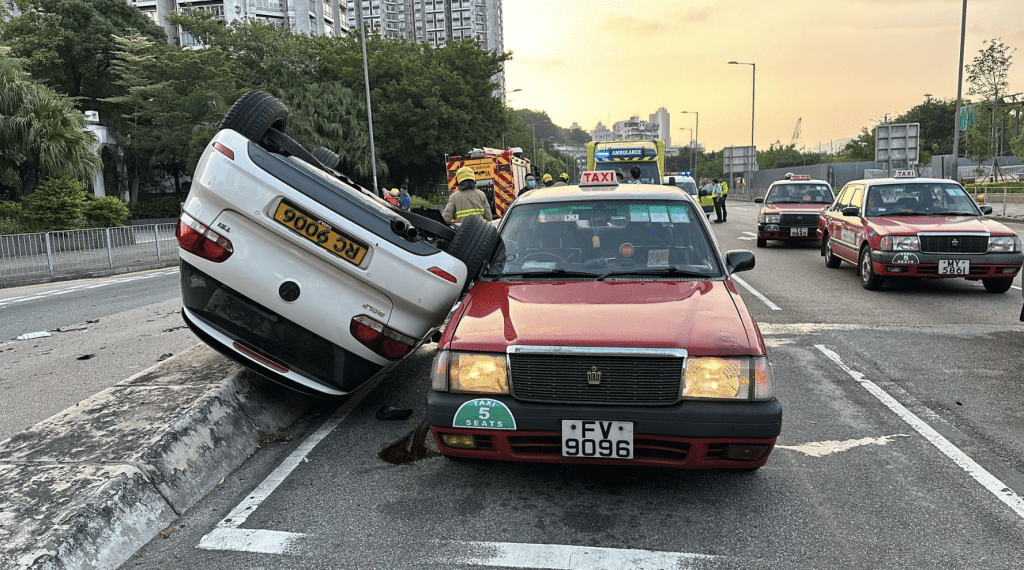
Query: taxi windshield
x=920, y=199
x=648, y=170
x=601, y=239
x=799, y=194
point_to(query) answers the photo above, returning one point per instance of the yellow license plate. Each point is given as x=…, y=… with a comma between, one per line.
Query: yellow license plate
x=320, y=233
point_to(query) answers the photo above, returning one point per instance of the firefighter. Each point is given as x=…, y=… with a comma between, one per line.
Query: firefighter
x=467, y=200
x=563, y=180
x=548, y=181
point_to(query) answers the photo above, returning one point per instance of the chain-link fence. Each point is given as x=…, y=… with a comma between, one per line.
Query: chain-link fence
x=54, y=252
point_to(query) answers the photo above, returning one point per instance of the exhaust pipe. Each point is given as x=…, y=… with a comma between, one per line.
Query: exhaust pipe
x=403, y=228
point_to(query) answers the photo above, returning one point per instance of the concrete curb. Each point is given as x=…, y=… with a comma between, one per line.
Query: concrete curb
x=87, y=487
x=24, y=281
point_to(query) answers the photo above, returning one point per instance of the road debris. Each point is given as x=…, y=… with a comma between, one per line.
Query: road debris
x=33, y=335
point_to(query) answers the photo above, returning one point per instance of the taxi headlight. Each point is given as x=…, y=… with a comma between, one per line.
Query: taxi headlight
x=728, y=379
x=900, y=243
x=469, y=373
x=769, y=218
x=1003, y=244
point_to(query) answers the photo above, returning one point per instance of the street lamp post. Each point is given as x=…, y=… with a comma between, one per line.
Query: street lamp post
x=753, y=85
x=369, y=107
x=696, y=136
x=504, y=95
x=533, y=130
x=959, y=93
x=692, y=170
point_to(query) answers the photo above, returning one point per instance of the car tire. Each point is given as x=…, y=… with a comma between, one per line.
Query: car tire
x=472, y=245
x=762, y=242
x=868, y=278
x=254, y=114
x=997, y=284
x=327, y=157
x=831, y=261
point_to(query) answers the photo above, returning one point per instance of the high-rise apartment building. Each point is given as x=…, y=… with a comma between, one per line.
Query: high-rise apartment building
x=312, y=17
x=434, y=21
x=662, y=119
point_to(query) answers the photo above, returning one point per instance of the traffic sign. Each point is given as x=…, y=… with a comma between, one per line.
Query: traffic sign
x=966, y=117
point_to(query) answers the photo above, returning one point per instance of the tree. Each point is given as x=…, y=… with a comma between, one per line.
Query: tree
x=57, y=204
x=779, y=156
x=69, y=44
x=42, y=133
x=987, y=77
x=860, y=149
x=936, y=119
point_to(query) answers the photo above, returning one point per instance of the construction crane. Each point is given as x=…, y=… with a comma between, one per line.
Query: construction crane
x=796, y=131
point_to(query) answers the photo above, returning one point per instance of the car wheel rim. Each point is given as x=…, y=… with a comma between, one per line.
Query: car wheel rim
x=865, y=268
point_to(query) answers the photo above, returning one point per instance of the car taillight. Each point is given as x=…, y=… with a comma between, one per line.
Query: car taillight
x=200, y=240
x=382, y=340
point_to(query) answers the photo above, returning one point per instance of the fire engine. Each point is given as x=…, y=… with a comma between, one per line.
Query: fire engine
x=501, y=174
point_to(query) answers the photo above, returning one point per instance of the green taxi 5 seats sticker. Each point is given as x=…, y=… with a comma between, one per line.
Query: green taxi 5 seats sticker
x=484, y=414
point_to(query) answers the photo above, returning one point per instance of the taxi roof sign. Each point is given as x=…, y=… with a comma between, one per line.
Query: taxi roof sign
x=800, y=177
x=599, y=178
x=908, y=173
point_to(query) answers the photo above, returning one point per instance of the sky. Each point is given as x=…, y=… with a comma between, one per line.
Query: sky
x=835, y=65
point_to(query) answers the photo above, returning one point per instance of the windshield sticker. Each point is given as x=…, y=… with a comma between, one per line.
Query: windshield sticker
x=678, y=215
x=553, y=214
x=659, y=213
x=543, y=265
x=571, y=218
x=952, y=191
x=484, y=414
x=657, y=258
x=639, y=213
x=906, y=259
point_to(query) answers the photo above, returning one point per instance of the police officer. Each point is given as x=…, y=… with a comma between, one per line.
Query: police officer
x=563, y=180
x=716, y=193
x=548, y=181
x=725, y=194
x=467, y=200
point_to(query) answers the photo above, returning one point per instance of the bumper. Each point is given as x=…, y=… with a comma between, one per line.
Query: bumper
x=781, y=232
x=917, y=264
x=267, y=342
x=688, y=435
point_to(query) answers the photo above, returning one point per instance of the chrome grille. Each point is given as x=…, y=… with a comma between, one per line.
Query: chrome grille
x=568, y=379
x=802, y=219
x=954, y=244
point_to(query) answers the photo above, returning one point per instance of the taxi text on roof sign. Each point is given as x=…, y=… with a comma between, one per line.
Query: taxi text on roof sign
x=911, y=173
x=598, y=178
x=800, y=177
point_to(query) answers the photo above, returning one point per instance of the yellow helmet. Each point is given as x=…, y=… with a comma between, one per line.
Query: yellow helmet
x=394, y=191
x=464, y=173
x=546, y=179
x=564, y=177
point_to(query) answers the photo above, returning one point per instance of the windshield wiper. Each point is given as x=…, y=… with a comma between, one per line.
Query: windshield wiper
x=954, y=214
x=903, y=213
x=546, y=272
x=660, y=271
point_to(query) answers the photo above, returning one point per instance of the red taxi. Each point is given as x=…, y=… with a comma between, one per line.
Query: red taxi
x=605, y=329
x=917, y=227
x=790, y=209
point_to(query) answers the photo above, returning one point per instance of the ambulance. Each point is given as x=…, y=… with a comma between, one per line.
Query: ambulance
x=621, y=156
x=500, y=174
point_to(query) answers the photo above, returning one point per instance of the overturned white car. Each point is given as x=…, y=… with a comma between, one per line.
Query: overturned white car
x=295, y=271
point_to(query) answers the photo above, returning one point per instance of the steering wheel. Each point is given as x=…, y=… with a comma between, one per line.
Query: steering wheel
x=547, y=254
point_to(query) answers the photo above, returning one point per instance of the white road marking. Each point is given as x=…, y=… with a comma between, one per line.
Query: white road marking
x=971, y=467
x=227, y=535
x=756, y=293
x=564, y=557
x=1015, y=287
x=823, y=448
x=79, y=287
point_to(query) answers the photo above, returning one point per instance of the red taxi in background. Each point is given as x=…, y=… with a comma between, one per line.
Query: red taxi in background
x=790, y=209
x=917, y=227
x=606, y=329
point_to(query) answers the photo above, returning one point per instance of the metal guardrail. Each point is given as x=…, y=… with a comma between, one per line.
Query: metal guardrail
x=51, y=252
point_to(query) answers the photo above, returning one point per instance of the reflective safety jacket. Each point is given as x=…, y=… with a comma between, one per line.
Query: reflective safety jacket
x=725, y=188
x=465, y=203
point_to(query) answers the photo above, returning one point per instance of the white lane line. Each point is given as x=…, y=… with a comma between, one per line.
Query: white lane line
x=227, y=535
x=1015, y=287
x=823, y=448
x=73, y=288
x=977, y=472
x=564, y=557
x=756, y=293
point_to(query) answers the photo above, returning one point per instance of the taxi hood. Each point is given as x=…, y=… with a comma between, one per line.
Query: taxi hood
x=905, y=225
x=704, y=317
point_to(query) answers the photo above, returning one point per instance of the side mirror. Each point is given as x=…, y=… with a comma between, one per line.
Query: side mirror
x=738, y=260
x=852, y=211
x=759, y=200
x=986, y=210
